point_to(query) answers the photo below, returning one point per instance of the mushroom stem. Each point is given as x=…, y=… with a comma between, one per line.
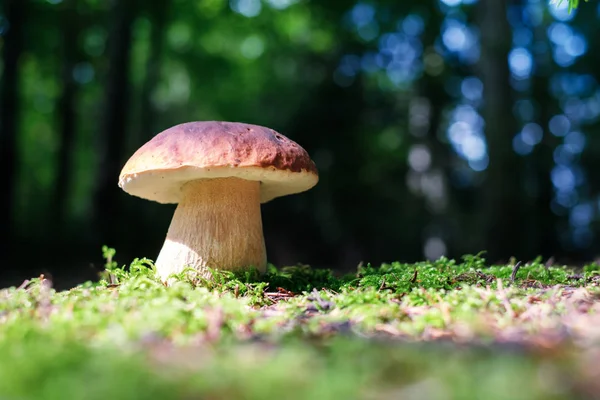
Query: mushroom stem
x=217, y=224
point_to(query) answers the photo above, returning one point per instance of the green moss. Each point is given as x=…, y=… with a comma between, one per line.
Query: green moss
x=304, y=333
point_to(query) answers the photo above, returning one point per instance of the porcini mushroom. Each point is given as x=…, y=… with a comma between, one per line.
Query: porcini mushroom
x=218, y=173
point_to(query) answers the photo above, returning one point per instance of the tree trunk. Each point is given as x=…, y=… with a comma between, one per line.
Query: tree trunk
x=67, y=116
x=14, y=11
x=501, y=206
x=158, y=15
x=114, y=124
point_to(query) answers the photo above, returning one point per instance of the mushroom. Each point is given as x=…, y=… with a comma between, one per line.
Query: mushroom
x=218, y=173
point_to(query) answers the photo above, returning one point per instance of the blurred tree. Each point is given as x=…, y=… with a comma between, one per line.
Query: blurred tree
x=112, y=136
x=158, y=12
x=67, y=110
x=441, y=203
x=10, y=102
x=501, y=206
x=333, y=121
x=543, y=223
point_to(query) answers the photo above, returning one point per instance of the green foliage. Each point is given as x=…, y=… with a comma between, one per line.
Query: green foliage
x=573, y=4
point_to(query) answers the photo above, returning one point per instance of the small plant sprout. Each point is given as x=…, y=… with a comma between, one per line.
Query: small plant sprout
x=218, y=173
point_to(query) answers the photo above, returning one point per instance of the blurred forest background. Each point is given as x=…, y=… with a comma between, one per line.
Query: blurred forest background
x=438, y=126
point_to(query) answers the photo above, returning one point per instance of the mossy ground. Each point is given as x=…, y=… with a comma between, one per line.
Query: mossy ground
x=432, y=330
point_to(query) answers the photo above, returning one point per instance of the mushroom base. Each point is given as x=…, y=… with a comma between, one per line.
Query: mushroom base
x=217, y=225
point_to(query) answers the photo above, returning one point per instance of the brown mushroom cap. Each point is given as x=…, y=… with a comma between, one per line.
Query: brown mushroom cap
x=213, y=149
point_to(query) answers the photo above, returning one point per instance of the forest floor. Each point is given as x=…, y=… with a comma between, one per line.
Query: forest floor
x=433, y=330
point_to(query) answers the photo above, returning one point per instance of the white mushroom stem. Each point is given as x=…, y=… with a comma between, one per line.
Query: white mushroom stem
x=217, y=224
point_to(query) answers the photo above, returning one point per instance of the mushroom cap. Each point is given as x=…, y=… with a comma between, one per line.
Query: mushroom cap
x=214, y=149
